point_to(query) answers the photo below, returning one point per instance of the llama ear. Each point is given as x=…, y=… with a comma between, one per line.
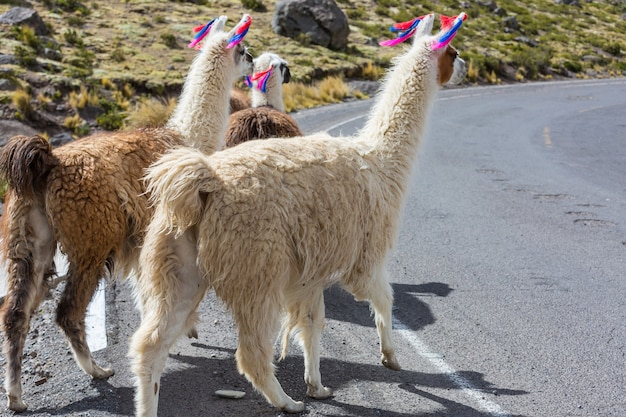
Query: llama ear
x=425, y=27
x=449, y=29
x=237, y=33
x=219, y=24
x=202, y=31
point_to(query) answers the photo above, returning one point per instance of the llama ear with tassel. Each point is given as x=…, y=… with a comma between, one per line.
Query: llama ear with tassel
x=239, y=31
x=202, y=31
x=426, y=27
x=419, y=26
x=449, y=28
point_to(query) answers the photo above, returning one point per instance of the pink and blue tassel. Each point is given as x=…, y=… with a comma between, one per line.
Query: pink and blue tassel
x=202, y=31
x=240, y=31
x=404, y=29
x=451, y=26
x=260, y=78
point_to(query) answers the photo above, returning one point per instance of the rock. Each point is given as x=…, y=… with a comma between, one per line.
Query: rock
x=527, y=41
x=322, y=21
x=7, y=85
x=60, y=139
x=52, y=54
x=25, y=16
x=511, y=23
x=568, y=2
x=10, y=128
x=499, y=11
x=223, y=393
x=7, y=59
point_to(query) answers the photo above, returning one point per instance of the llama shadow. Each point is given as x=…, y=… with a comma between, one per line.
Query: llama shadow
x=192, y=388
x=114, y=401
x=408, y=308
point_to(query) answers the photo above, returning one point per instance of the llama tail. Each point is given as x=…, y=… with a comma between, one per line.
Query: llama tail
x=177, y=184
x=25, y=163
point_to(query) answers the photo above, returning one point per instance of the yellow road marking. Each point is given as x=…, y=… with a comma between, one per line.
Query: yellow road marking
x=546, y=137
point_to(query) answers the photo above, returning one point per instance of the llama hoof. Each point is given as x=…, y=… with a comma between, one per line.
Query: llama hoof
x=102, y=373
x=391, y=363
x=320, y=393
x=294, y=407
x=16, y=404
x=192, y=333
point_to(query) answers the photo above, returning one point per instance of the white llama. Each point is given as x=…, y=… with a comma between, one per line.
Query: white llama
x=88, y=197
x=266, y=118
x=270, y=224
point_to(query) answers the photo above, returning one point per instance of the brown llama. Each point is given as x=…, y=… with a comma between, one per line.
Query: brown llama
x=88, y=198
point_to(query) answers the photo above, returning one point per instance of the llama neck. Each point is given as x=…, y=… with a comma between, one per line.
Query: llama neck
x=398, y=119
x=201, y=115
x=273, y=95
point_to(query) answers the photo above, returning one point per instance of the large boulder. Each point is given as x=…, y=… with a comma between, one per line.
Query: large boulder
x=322, y=21
x=25, y=16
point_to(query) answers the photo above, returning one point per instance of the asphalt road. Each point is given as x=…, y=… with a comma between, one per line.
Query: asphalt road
x=508, y=274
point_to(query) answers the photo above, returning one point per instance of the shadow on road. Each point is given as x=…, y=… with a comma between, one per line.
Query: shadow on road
x=408, y=308
x=115, y=401
x=193, y=386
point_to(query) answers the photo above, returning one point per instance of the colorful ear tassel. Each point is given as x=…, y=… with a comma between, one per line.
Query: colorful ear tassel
x=202, y=31
x=451, y=25
x=240, y=31
x=405, y=30
x=260, y=78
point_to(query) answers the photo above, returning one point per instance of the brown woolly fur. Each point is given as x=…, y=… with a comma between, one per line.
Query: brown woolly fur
x=260, y=123
x=269, y=224
x=89, y=199
x=266, y=118
x=239, y=100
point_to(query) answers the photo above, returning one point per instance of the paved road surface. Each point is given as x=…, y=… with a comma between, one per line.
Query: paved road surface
x=509, y=280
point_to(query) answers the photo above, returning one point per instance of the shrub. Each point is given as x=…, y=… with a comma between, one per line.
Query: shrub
x=73, y=38
x=254, y=5
x=533, y=60
x=372, y=72
x=169, y=40
x=21, y=102
x=573, y=66
x=113, y=116
x=76, y=125
x=25, y=56
x=151, y=113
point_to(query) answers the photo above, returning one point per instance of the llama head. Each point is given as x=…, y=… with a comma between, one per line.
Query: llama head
x=269, y=69
x=452, y=69
x=214, y=41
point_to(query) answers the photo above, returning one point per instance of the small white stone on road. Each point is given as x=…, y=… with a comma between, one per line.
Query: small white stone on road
x=225, y=393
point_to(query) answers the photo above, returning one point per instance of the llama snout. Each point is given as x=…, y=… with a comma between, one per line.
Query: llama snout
x=459, y=72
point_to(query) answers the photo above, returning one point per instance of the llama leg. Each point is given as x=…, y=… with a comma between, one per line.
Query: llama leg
x=310, y=327
x=71, y=311
x=18, y=308
x=30, y=258
x=149, y=348
x=170, y=299
x=257, y=328
x=380, y=296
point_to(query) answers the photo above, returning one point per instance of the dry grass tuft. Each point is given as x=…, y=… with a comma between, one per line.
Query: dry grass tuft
x=151, y=113
x=21, y=102
x=302, y=96
x=83, y=98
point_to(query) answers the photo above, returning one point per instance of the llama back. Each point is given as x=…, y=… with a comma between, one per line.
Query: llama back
x=101, y=179
x=267, y=197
